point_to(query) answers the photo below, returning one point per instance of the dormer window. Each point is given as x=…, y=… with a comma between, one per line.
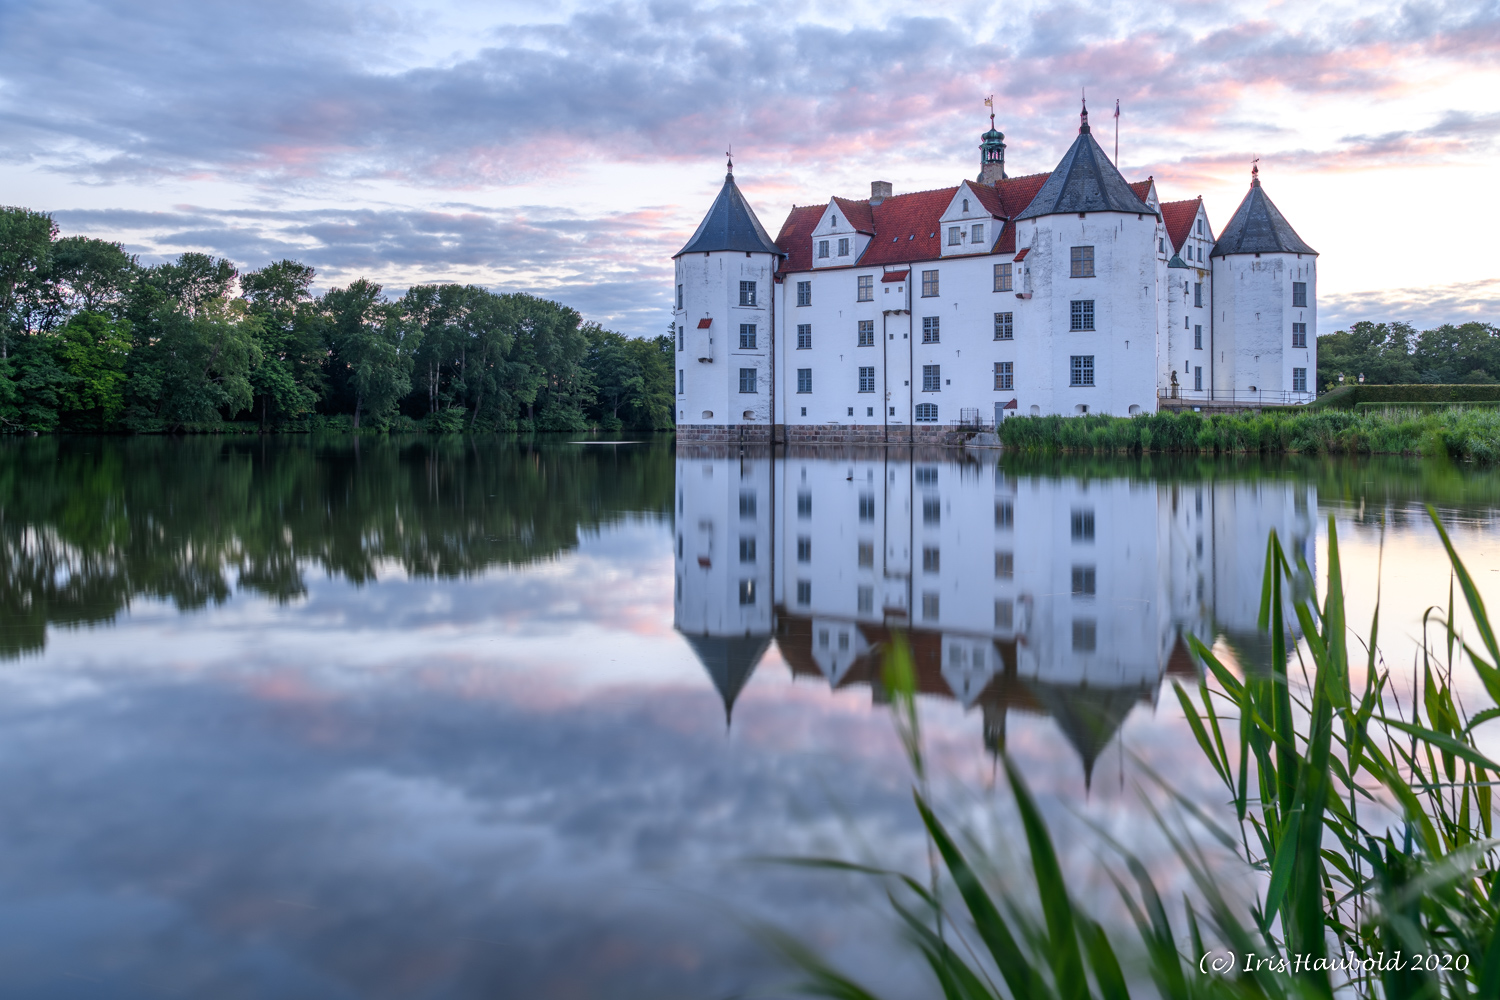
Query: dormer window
x=822, y=248
x=955, y=235
x=966, y=205
x=1200, y=227
x=976, y=235
x=844, y=246
x=835, y=222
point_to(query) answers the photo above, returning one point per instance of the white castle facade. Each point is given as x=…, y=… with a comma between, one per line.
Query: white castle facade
x=1070, y=292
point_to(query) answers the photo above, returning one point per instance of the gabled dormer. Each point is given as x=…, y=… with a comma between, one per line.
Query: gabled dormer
x=842, y=233
x=971, y=223
x=1188, y=234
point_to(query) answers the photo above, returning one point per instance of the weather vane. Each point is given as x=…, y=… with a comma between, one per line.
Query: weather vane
x=729, y=155
x=989, y=102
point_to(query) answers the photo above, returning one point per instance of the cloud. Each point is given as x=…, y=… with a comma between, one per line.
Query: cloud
x=1423, y=307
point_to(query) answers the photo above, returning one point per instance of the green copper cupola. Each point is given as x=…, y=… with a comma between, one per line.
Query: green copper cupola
x=992, y=154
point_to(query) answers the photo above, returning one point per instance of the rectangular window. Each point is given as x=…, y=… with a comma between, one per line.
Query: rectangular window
x=1005, y=565
x=930, y=607
x=932, y=378
x=1197, y=336
x=804, y=592
x=866, y=597
x=681, y=379
x=747, y=549
x=804, y=506
x=1005, y=375
x=804, y=336
x=844, y=246
x=679, y=296
x=867, y=506
x=1161, y=244
x=1083, y=581
x=930, y=329
x=1081, y=314
x=1081, y=370
x=681, y=333
x=747, y=592
x=867, y=555
x=931, y=560
x=932, y=511
x=1299, y=379
x=926, y=413
x=1198, y=378
x=822, y=248
x=976, y=233
x=1005, y=515
x=747, y=505
x=1083, y=525
x=747, y=293
x=1005, y=326
x=747, y=336
x=955, y=235
x=1085, y=635
x=1005, y=614
x=867, y=288
x=748, y=381
x=1299, y=295
x=1082, y=261
x=804, y=380
x=1198, y=294
x=804, y=549
x=1200, y=227
x=929, y=284
x=804, y=293
x=867, y=379
x=1002, y=278
x=867, y=333
x=1299, y=334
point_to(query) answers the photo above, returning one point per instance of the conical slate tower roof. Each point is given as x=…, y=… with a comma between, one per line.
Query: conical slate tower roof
x=1088, y=716
x=730, y=661
x=730, y=225
x=1084, y=181
x=1257, y=227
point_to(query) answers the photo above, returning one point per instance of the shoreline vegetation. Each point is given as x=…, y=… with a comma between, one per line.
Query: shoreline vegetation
x=1362, y=811
x=1456, y=431
x=92, y=341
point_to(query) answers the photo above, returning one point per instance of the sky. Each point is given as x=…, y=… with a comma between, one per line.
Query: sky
x=570, y=149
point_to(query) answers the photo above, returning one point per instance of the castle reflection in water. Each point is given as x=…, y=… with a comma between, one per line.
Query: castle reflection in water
x=1049, y=594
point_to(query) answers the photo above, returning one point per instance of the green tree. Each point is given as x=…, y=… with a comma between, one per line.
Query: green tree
x=91, y=275
x=25, y=260
x=289, y=380
x=1467, y=353
x=373, y=344
x=92, y=350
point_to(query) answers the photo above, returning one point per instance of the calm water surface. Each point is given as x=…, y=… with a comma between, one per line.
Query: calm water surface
x=291, y=718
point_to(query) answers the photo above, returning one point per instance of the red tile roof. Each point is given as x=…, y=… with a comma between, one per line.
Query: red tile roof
x=704, y=324
x=905, y=227
x=1179, y=216
x=1022, y=255
x=895, y=275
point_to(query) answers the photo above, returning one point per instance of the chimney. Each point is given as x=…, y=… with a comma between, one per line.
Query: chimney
x=879, y=192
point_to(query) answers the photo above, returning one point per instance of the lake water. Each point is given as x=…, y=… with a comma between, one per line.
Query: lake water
x=478, y=718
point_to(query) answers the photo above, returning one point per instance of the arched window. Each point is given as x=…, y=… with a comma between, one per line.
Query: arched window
x=966, y=204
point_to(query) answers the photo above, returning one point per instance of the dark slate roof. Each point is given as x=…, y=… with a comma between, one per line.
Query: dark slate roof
x=730, y=661
x=1176, y=261
x=1257, y=227
x=1084, y=181
x=730, y=225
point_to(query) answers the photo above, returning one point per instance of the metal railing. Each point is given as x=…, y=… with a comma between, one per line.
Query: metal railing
x=1220, y=397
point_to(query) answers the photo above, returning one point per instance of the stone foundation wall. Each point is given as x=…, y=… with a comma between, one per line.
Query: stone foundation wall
x=724, y=433
x=934, y=435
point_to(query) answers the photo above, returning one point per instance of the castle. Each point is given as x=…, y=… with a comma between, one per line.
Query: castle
x=1074, y=291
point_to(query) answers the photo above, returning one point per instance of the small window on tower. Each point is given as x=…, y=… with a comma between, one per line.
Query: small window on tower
x=679, y=296
x=1299, y=334
x=747, y=293
x=1081, y=314
x=1299, y=295
x=747, y=336
x=1198, y=295
x=1082, y=261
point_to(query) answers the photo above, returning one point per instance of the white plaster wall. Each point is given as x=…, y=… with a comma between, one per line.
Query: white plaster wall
x=835, y=356
x=1253, y=321
x=711, y=288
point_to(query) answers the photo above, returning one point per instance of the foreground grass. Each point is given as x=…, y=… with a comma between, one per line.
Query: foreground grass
x=1464, y=434
x=1369, y=823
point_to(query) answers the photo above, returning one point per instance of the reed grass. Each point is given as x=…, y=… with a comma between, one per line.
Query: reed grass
x=1366, y=819
x=1466, y=434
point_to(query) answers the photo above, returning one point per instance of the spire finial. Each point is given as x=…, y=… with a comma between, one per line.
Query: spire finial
x=729, y=156
x=1255, y=172
x=1083, y=116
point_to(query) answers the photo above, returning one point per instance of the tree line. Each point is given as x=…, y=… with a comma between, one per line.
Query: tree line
x=1396, y=354
x=93, y=341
